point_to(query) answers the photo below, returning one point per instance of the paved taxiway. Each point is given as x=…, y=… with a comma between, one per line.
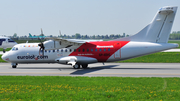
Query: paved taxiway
x=98, y=69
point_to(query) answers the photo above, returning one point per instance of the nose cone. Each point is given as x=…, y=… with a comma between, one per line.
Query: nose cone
x=5, y=57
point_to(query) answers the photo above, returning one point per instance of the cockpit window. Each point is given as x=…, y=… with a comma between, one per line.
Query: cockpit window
x=1, y=41
x=14, y=49
x=10, y=40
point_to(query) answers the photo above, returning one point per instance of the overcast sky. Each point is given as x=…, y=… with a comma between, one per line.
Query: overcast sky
x=87, y=17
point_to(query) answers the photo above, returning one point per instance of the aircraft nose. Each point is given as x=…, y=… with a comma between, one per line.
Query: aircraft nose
x=5, y=57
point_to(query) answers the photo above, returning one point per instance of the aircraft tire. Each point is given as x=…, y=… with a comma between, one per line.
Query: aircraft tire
x=76, y=66
x=84, y=66
x=4, y=51
x=14, y=66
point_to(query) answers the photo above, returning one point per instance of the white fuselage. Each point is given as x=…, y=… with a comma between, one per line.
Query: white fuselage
x=29, y=53
x=6, y=42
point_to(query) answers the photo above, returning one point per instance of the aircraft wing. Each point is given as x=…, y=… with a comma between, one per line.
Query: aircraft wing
x=66, y=40
x=58, y=43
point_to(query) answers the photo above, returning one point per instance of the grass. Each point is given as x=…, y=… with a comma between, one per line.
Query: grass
x=1, y=60
x=29, y=41
x=1, y=49
x=45, y=88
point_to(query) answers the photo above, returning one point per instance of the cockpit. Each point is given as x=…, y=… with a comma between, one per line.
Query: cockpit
x=14, y=49
x=10, y=40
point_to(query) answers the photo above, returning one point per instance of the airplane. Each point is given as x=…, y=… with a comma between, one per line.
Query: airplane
x=78, y=53
x=6, y=42
x=30, y=36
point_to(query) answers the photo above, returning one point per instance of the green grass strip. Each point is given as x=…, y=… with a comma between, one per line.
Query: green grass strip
x=1, y=60
x=1, y=49
x=46, y=88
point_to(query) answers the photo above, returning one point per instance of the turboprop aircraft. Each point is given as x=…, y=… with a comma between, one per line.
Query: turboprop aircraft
x=6, y=42
x=153, y=38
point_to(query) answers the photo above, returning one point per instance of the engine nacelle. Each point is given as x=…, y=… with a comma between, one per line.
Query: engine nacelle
x=51, y=44
x=76, y=59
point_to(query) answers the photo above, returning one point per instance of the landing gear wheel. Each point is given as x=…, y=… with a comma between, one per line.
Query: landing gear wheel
x=76, y=66
x=84, y=66
x=14, y=66
x=4, y=51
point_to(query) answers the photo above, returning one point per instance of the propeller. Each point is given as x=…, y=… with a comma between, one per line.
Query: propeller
x=41, y=45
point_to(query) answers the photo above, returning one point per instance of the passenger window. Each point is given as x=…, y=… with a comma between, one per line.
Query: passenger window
x=65, y=50
x=87, y=50
x=70, y=50
x=83, y=50
x=57, y=50
x=100, y=50
x=74, y=50
x=49, y=51
x=108, y=49
x=53, y=50
x=79, y=50
x=96, y=50
x=61, y=50
x=91, y=50
x=45, y=51
x=104, y=49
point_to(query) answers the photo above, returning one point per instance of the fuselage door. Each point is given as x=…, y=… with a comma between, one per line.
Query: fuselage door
x=117, y=49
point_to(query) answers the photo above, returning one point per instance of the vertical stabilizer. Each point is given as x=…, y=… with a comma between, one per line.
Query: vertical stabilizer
x=159, y=29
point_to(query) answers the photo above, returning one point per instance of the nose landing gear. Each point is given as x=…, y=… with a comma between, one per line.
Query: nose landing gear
x=14, y=65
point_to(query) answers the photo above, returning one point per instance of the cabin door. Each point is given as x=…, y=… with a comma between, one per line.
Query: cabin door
x=117, y=49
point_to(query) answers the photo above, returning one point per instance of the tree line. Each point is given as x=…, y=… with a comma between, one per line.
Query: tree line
x=79, y=36
x=175, y=35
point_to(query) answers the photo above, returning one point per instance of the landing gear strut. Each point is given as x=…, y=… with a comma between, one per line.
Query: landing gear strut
x=14, y=65
x=4, y=51
x=84, y=66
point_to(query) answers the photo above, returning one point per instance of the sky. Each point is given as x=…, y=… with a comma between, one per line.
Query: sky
x=87, y=17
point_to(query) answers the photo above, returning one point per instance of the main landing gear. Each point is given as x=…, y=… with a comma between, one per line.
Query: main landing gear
x=14, y=65
x=77, y=66
x=4, y=51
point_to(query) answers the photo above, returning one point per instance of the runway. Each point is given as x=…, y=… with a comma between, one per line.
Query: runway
x=98, y=69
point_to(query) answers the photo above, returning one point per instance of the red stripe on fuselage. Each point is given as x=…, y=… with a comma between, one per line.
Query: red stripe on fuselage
x=101, y=50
